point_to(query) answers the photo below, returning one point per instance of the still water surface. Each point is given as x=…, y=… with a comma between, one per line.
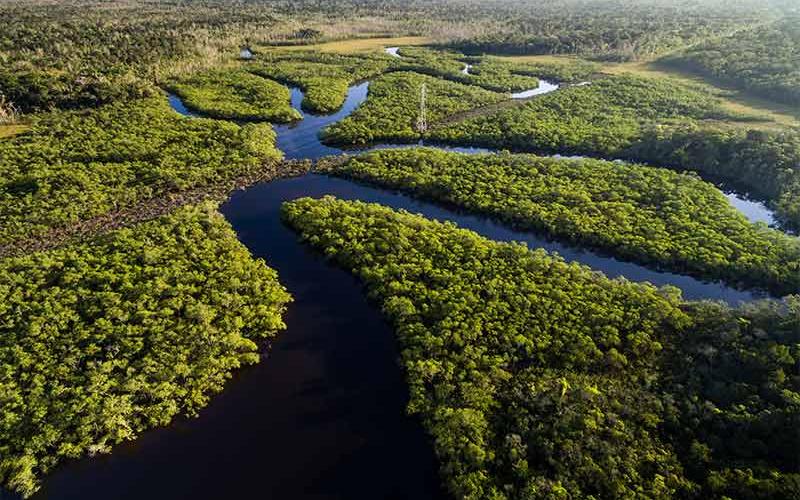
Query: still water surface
x=323, y=417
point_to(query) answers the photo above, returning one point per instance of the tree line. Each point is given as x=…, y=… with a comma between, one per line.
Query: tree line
x=73, y=165
x=537, y=378
x=648, y=214
x=765, y=60
x=657, y=121
x=102, y=340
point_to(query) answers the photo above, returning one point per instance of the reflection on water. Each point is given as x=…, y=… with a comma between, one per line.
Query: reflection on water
x=301, y=140
x=544, y=87
x=177, y=105
x=318, y=185
x=322, y=418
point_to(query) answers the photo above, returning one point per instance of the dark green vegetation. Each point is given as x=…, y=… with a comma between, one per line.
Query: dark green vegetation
x=538, y=379
x=391, y=111
x=765, y=60
x=656, y=121
x=542, y=379
x=489, y=73
x=78, y=53
x=564, y=70
x=103, y=340
x=765, y=164
x=236, y=95
x=648, y=214
x=72, y=166
x=323, y=77
x=732, y=385
x=607, y=30
x=603, y=118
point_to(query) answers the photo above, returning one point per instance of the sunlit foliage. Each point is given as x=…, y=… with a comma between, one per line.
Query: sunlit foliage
x=102, y=340
x=392, y=108
x=323, y=77
x=71, y=166
x=648, y=214
x=236, y=95
x=540, y=379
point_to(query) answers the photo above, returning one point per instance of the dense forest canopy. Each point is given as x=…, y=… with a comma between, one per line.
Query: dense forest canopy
x=323, y=77
x=659, y=121
x=542, y=379
x=102, y=340
x=235, y=95
x=79, y=52
x=765, y=59
x=536, y=378
x=649, y=214
x=603, y=118
x=75, y=165
x=391, y=110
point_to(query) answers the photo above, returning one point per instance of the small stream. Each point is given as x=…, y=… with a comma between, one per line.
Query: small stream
x=177, y=104
x=301, y=140
x=544, y=86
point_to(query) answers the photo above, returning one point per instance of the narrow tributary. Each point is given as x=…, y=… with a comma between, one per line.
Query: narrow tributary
x=323, y=417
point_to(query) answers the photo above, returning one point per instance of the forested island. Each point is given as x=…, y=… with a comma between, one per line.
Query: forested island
x=187, y=310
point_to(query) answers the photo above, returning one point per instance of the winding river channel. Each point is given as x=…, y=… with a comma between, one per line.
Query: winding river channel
x=323, y=417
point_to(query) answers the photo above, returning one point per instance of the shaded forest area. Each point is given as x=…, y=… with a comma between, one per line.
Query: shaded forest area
x=765, y=60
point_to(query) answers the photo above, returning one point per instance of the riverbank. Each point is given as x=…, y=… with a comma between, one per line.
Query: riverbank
x=151, y=209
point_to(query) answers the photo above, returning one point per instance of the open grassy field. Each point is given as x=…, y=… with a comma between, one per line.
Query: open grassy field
x=773, y=115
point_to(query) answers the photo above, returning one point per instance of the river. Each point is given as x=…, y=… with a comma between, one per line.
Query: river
x=322, y=417
x=544, y=86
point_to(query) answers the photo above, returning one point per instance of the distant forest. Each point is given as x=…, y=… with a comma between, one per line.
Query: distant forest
x=765, y=60
x=66, y=55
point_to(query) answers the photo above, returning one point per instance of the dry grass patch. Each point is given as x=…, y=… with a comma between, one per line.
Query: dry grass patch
x=12, y=130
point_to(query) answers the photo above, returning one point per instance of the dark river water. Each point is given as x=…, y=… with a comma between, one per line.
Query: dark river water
x=322, y=416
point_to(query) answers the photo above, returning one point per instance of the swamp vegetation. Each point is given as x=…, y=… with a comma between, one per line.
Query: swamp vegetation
x=102, y=340
x=542, y=379
x=648, y=214
x=534, y=377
